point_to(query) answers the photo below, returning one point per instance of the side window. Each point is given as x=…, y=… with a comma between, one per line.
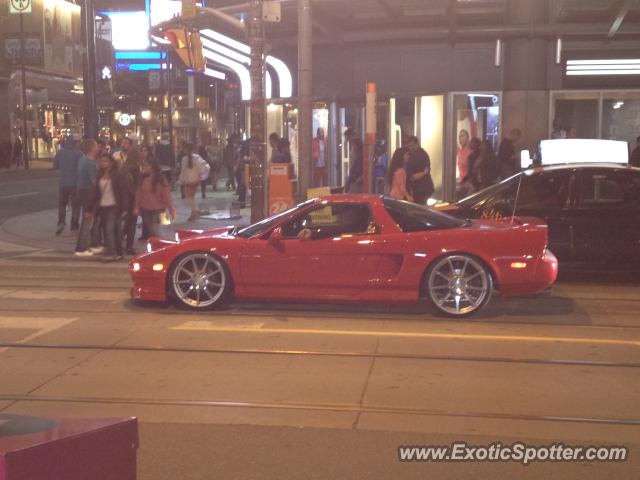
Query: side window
x=631, y=185
x=331, y=221
x=545, y=190
x=602, y=189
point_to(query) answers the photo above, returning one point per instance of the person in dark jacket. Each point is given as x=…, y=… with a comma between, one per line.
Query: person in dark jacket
x=66, y=162
x=508, y=159
x=109, y=200
x=130, y=180
x=419, y=180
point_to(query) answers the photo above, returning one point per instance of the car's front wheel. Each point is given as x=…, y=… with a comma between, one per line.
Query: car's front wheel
x=200, y=280
x=458, y=285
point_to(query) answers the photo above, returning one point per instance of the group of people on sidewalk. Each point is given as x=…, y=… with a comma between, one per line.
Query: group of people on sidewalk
x=108, y=192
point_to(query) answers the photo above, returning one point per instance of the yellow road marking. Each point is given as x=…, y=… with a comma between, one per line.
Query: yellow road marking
x=449, y=336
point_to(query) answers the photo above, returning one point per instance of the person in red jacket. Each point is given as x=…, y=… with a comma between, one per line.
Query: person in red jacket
x=153, y=197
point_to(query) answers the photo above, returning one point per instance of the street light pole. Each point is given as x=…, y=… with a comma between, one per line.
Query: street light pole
x=256, y=36
x=25, y=133
x=89, y=81
x=305, y=106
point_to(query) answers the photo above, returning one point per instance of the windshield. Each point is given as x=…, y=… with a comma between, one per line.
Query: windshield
x=267, y=223
x=482, y=195
x=417, y=218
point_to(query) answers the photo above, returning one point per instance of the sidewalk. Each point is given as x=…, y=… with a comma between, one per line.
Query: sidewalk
x=43, y=164
x=37, y=230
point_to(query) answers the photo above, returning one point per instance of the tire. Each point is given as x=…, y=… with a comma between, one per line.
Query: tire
x=458, y=285
x=199, y=281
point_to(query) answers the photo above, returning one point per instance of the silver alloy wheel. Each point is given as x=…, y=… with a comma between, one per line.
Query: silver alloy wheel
x=459, y=285
x=199, y=280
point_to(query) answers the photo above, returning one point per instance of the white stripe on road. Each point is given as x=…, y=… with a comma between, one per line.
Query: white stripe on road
x=42, y=326
x=79, y=295
x=17, y=195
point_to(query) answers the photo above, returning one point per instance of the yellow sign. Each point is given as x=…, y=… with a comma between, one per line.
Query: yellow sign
x=189, y=8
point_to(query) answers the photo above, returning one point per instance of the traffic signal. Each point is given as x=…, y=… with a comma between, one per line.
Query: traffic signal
x=188, y=46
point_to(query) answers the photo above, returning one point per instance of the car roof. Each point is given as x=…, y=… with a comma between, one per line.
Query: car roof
x=573, y=166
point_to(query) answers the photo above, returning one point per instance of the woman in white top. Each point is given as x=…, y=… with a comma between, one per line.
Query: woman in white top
x=193, y=168
x=109, y=208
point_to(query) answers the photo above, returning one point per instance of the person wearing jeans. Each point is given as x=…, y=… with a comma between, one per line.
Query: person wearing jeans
x=153, y=197
x=87, y=171
x=66, y=162
x=109, y=208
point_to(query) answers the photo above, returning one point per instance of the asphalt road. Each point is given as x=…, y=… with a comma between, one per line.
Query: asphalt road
x=24, y=192
x=323, y=392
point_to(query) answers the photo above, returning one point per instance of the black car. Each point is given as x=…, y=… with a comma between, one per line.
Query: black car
x=593, y=210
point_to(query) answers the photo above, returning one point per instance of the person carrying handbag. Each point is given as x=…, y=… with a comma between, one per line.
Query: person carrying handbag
x=193, y=170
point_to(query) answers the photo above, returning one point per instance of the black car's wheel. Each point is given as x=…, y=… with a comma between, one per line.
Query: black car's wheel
x=200, y=280
x=458, y=285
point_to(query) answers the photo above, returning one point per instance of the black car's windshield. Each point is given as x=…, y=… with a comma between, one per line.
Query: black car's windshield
x=480, y=196
x=416, y=218
x=267, y=223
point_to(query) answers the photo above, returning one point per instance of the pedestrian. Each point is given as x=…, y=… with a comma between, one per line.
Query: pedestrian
x=164, y=152
x=508, y=159
x=202, y=152
x=243, y=157
x=17, y=150
x=283, y=154
x=274, y=141
x=634, y=158
x=419, y=181
x=397, y=175
x=145, y=152
x=66, y=162
x=228, y=158
x=153, y=198
x=129, y=182
x=356, y=159
x=109, y=208
x=484, y=172
x=320, y=152
x=120, y=156
x=380, y=165
x=87, y=172
x=193, y=168
x=468, y=184
x=462, y=155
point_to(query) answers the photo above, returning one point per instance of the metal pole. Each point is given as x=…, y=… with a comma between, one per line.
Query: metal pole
x=305, y=106
x=258, y=113
x=25, y=133
x=90, y=110
x=170, y=97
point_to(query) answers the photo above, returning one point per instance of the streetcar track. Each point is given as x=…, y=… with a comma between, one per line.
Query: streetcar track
x=345, y=408
x=317, y=353
x=420, y=317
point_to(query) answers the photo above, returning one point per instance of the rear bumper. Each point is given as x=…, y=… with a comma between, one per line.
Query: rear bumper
x=537, y=281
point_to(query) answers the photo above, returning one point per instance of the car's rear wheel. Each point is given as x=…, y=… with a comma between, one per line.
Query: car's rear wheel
x=200, y=280
x=458, y=285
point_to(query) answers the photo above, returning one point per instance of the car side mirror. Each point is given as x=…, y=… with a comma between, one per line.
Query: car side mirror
x=275, y=237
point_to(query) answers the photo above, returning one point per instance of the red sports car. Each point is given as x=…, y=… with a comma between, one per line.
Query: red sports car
x=351, y=248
